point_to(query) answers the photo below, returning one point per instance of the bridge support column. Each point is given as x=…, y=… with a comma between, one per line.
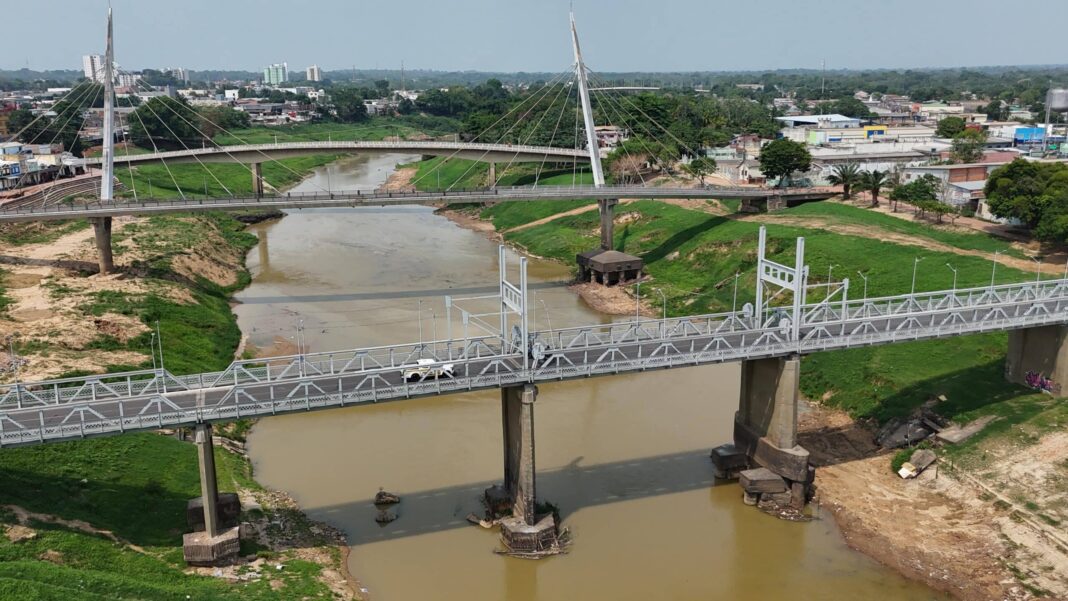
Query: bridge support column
x=219, y=540
x=1043, y=351
x=765, y=434
x=524, y=532
x=492, y=183
x=607, y=210
x=257, y=179
x=102, y=233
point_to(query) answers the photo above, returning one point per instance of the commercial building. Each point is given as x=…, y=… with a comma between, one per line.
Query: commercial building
x=314, y=73
x=822, y=121
x=276, y=74
x=93, y=67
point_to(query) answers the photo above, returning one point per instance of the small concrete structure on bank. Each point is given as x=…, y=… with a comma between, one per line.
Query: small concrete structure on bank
x=608, y=267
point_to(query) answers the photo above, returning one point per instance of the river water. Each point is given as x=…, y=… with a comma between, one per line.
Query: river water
x=625, y=458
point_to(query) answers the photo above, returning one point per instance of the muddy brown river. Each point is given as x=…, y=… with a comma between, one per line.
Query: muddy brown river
x=625, y=458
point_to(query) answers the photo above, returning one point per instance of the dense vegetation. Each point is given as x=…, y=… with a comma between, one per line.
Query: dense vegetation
x=1034, y=193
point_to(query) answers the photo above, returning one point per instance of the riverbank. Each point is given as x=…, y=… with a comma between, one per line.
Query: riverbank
x=950, y=535
x=108, y=513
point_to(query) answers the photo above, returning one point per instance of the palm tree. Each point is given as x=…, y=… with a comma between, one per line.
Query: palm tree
x=846, y=175
x=873, y=181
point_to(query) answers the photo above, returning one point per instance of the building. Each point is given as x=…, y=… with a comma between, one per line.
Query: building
x=127, y=80
x=93, y=67
x=610, y=136
x=822, y=121
x=276, y=74
x=179, y=73
x=314, y=73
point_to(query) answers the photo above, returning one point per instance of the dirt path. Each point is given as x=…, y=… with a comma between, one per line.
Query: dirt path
x=935, y=528
x=867, y=231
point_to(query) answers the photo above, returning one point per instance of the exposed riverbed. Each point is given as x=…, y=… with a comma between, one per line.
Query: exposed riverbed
x=625, y=458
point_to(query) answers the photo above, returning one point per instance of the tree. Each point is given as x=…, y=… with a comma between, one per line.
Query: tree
x=19, y=119
x=406, y=107
x=873, y=181
x=348, y=105
x=996, y=110
x=949, y=127
x=165, y=122
x=846, y=175
x=851, y=107
x=1033, y=193
x=920, y=189
x=968, y=146
x=779, y=158
x=700, y=167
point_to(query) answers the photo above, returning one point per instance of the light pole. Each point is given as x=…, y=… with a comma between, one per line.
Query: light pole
x=547, y=319
x=830, y=270
x=637, y=300
x=149, y=186
x=15, y=366
x=734, y=300
x=1038, y=273
x=954, y=269
x=915, y=266
x=865, y=278
x=664, y=300
x=419, y=316
x=994, y=267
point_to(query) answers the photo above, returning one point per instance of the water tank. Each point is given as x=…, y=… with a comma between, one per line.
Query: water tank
x=1057, y=99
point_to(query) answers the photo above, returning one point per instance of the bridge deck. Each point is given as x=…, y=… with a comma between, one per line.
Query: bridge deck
x=144, y=400
x=355, y=198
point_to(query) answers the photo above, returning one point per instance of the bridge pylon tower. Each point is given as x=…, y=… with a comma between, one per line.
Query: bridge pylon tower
x=605, y=206
x=102, y=225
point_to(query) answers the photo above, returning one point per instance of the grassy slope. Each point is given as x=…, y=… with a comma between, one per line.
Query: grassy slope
x=693, y=257
x=134, y=485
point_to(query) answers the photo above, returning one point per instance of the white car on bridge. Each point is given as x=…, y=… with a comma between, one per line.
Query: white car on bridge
x=428, y=369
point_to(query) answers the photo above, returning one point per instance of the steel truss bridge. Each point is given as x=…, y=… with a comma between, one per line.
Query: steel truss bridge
x=356, y=198
x=74, y=408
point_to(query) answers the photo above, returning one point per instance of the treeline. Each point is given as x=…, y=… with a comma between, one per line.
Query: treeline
x=679, y=123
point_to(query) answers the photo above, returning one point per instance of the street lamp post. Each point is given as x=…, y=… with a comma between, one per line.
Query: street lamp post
x=865, y=278
x=915, y=266
x=637, y=300
x=954, y=270
x=830, y=270
x=419, y=317
x=15, y=366
x=547, y=318
x=1038, y=272
x=663, y=299
x=994, y=267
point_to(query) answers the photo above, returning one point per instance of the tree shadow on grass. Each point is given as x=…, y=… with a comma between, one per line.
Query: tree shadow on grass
x=679, y=238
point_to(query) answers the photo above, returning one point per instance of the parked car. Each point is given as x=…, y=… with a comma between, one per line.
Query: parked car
x=428, y=369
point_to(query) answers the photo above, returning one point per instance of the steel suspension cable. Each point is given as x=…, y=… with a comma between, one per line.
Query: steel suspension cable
x=531, y=134
x=542, y=92
x=155, y=149
x=556, y=129
x=491, y=126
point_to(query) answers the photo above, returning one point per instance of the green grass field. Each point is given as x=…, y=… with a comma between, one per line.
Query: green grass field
x=136, y=485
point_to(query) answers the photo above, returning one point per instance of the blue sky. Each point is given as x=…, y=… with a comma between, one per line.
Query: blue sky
x=532, y=35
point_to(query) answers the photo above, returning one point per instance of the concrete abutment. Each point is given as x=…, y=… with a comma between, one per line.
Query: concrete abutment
x=219, y=541
x=1041, y=351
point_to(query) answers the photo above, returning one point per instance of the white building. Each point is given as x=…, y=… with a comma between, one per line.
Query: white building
x=821, y=121
x=232, y=94
x=313, y=73
x=93, y=67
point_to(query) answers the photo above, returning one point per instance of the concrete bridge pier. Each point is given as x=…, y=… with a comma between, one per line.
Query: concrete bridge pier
x=257, y=179
x=607, y=210
x=523, y=531
x=213, y=517
x=492, y=177
x=765, y=435
x=102, y=233
x=1042, y=350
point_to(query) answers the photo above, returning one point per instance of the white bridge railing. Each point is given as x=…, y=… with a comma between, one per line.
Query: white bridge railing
x=32, y=413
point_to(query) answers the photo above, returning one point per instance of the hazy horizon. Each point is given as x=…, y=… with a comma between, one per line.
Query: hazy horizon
x=481, y=36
